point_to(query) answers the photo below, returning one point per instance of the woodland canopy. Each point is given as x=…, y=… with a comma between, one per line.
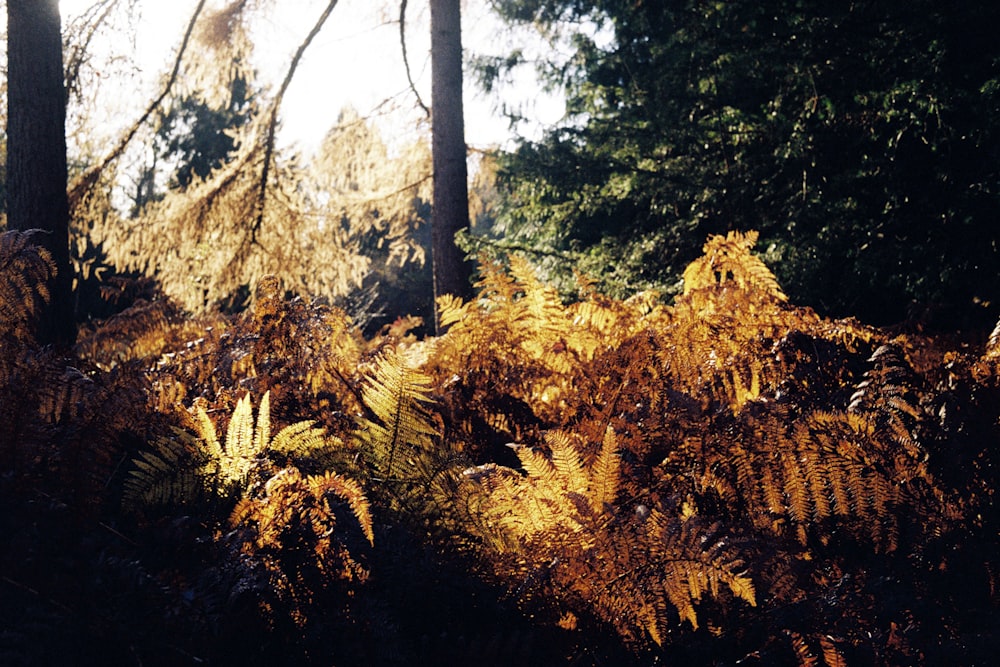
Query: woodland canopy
x=859, y=138
x=725, y=390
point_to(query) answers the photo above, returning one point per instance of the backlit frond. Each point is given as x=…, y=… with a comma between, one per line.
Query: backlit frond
x=25, y=269
x=403, y=430
x=728, y=259
x=161, y=476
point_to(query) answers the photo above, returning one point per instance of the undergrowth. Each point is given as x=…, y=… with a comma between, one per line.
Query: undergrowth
x=730, y=479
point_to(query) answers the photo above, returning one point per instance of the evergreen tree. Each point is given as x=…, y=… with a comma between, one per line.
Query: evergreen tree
x=201, y=137
x=193, y=138
x=860, y=138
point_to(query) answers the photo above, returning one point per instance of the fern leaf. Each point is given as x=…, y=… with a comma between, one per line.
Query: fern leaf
x=992, y=352
x=206, y=430
x=727, y=259
x=239, y=444
x=451, y=310
x=605, y=474
x=351, y=491
x=831, y=655
x=25, y=269
x=396, y=393
x=262, y=434
x=567, y=462
x=535, y=463
x=690, y=569
x=165, y=475
x=304, y=439
x=802, y=650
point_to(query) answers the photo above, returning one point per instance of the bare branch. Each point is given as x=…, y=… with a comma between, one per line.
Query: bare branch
x=273, y=120
x=86, y=180
x=406, y=59
x=90, y=23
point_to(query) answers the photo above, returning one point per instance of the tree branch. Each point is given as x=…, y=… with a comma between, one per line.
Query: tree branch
x=406, y=59
x=88, y=178
x=272, y=125
x=90, y=22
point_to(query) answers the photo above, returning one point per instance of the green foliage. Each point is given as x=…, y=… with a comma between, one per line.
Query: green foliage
x=198, y=138
x=860, y=139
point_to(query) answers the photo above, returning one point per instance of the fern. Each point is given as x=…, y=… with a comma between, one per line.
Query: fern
x=179, y=469
x=728, y=260
x=25, y=269
x=688, y=561
x=143, y=331
x=562, y=517
x=295, y=535
x=400, y=433
x=992, y=352
x=888, y=397
x=288, y=494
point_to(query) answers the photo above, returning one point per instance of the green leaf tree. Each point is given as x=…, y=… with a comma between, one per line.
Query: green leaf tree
x=861, y=139
x=193, y=138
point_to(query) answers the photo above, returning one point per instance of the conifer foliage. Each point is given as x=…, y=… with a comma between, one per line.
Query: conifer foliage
x=727, y=479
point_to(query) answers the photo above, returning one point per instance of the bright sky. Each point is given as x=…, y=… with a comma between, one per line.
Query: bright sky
x=356, y=60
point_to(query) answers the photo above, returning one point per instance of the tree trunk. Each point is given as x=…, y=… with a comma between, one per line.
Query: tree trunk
x=452, y=274
x=36, y=148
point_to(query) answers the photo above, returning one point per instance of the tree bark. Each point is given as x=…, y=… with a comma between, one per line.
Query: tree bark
x=452, y=274
x=36, y=148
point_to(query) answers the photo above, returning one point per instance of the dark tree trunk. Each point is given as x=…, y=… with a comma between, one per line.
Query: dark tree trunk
x=452, y=274
x=36, y=148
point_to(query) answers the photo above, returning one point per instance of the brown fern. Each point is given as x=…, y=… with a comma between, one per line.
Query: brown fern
x=561, y=523
x=25, y=269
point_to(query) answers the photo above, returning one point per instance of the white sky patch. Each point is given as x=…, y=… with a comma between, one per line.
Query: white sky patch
x=356, y=60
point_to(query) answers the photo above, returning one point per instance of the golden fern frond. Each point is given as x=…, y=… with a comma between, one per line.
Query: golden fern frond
x=261, y=434
x=535, y=463
x=306, y=440
x=728, y=258
x=819, y=468
x=144, y=330
x=292, y=532
x=61, y=397
x=683, y=562
x=166, y=474
x=451, y=309
x=557, y=500
x=350, y=491
x=403, y=430
x=567, y=462
x=831, y=653
x=605, y=474
x=495, y=284
x=539, y=303
x=222, y=467
x=992, y=352
x=25, y=269
x=563, y=476
x=887, y=395
x=242, y=444
x=803, y=652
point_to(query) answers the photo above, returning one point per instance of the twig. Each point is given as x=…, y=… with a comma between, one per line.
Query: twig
x=86, y=180
x=29, y=589
x=406, y=59
x=272, y=125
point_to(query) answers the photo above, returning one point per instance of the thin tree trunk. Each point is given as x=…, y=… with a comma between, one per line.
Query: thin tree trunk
x=452, y=274
x=36, y=148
